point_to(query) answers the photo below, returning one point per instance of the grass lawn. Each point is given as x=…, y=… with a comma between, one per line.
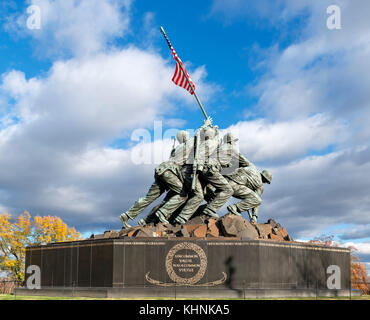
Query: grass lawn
x=12, y=297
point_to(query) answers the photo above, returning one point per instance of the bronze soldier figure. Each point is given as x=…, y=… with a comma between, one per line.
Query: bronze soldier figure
x=247, y=184
x=167, y=176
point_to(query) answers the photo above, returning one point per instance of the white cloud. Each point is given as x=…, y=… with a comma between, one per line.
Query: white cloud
x=322, y=71
x=54, y=157
x=355, y=232
x=321, y=75
x=55, y=128
x=87, y=101
x=262, y=140
x=75, y=27
x=362, y=247
x=312, y=194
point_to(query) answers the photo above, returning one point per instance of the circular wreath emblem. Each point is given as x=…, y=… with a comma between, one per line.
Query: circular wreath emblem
x=203, y=263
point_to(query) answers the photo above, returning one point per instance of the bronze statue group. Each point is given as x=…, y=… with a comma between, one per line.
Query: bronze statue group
x=205, y=167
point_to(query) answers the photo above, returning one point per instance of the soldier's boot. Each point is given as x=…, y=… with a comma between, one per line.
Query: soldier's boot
x=233, y=209
x=253, y=220
x=124, y=219
x=253, y=215
x=210, y=212
x=162, y=218
x=180, y=220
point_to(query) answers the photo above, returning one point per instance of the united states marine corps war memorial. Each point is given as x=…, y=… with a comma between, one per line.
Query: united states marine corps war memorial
x=189, y=245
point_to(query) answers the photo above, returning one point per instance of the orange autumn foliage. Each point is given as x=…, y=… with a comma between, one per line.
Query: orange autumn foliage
x=358, y=271
x=359, y=275
x=22, y=232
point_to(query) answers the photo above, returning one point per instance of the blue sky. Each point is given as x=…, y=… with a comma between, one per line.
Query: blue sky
x=227, y=51
x=73, y=93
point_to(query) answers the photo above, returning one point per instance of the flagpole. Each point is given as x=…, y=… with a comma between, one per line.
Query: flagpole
x=186, y=76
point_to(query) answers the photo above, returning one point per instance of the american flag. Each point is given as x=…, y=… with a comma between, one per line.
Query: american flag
x=179, y=77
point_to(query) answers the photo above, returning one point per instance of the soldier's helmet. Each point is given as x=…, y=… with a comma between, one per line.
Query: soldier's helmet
x=209, y=133
x=182, y=136
x=229, y=138
x=267, y=175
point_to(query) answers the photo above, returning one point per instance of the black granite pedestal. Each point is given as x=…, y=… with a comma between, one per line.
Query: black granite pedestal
x=184, y=267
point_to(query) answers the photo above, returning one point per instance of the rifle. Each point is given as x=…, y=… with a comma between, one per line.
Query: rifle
x=195, y=162
x=173, y=148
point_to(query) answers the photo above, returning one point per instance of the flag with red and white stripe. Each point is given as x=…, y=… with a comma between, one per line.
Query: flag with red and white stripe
x=179, y=77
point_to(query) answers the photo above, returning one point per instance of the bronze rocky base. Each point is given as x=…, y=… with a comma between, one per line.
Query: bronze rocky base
x=229, y=225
